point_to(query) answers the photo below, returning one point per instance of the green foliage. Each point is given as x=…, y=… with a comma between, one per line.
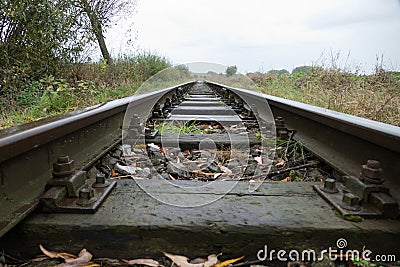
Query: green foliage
x=178, y=128
x=149, y=64
x=364, y=263
x=301, y=69
x=375, y=96
x=86, y=84
x=353, y=218
x=37, y=39
x=231, y=70
x=278, y=72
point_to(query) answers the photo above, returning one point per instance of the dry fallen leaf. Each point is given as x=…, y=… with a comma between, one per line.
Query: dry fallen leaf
x=147, y=262
x=227, y=262
x=84, y=256
x=153, y=146
x=82, y=260
x=198, y=260
x=53, y=255
x=114, y=173
x=279, y=162
x=207, y=174
x=225, y=169
x=182, y=261
x=258, y=159
x=216, y=175
x=287, y=179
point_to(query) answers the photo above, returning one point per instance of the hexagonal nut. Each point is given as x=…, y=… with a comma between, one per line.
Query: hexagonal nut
x=64, y=166
x=371, y=173
x=373, y=164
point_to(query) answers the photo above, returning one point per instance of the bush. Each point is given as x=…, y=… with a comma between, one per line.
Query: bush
x=81, y=85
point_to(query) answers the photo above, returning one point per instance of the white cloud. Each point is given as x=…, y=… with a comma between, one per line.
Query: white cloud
x=263, y=34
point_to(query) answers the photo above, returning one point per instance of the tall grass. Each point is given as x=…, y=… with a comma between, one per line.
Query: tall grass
x=82, y=85
x=375, y=96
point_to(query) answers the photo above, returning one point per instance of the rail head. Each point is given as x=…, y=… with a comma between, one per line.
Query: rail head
x=378, y=133
x=27, y=152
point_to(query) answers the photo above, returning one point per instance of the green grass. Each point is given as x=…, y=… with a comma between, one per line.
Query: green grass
x=178, y=128
x=83, y=85
x=375, y=96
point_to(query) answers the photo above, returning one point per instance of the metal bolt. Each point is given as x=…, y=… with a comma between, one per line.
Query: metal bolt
x=174, y=100
x=372, y=173
x=101, y=181
x=86, y=197
x=135, y=121
x=64, y=167
x=350, y=202
x=167, y=102
x=157, y=110
x=330, y=186
x=279, y=123
x=373, y=164
x=231, y=100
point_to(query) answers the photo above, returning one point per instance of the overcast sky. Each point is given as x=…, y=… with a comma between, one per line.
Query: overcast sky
x=259, y=35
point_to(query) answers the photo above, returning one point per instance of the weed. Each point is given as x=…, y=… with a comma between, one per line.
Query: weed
x=375, y=96
x=179, y=128
x=83, y=84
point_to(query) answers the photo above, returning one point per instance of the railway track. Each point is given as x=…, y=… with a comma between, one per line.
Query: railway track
x=199, y=167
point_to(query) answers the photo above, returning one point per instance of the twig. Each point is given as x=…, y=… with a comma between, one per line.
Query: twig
x=126, y=176
x=311, y=164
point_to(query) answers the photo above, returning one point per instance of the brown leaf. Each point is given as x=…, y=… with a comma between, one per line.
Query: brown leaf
x=227, y=262
x=225, y=169
x=147, y=262
x=207, y=174
x=296, y=264
x=182, y=261
x=84, y=256
x=216, y=175
x=153, y=146
x=287, y=179
x=279, y=162
x=198, y=260
x=258, y=159
x=82, y=260
x=52, y=254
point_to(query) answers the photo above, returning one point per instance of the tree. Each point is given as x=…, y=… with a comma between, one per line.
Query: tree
x=100, y=14
x=302, y=69
x=37, y=38
x=278, y=72
x=231, y=70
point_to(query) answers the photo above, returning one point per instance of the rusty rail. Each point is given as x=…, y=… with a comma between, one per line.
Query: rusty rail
x=29, y=151
x=344, y=141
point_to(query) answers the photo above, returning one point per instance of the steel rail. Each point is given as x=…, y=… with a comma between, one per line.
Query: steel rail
x=27, y=152
x=344, y=141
